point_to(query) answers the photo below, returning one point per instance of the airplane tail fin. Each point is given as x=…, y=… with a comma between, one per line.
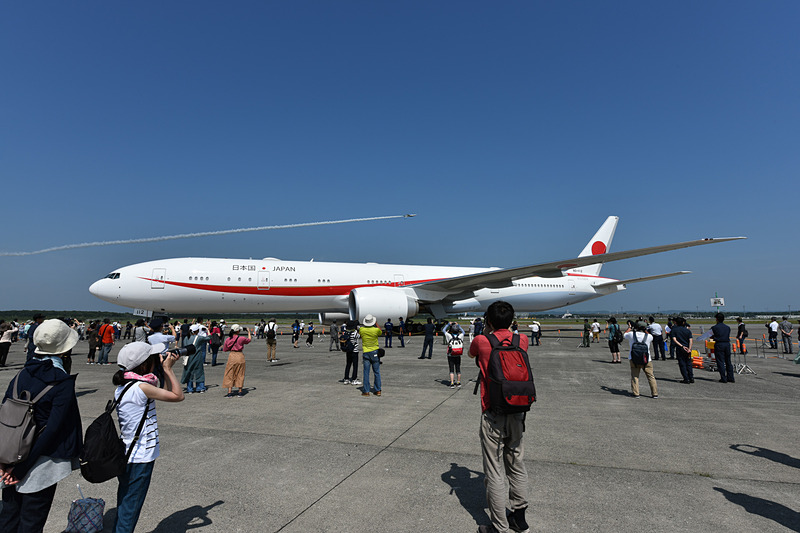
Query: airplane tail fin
x=599, y=244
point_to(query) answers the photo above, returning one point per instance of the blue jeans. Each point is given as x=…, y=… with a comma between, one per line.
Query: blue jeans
x=371, y=361
x=133, y=485
x=104, y=351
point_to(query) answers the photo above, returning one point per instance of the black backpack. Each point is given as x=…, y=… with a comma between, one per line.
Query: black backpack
x=618, y=336
x=510, y=380
x=104, y=455
x=271, y=331
x=640, y=354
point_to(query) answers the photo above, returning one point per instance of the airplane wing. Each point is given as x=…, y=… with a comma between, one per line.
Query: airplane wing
x=497, y=279
x=637, y=280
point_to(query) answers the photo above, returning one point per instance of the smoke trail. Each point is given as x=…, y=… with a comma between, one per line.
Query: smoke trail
x=199, y=234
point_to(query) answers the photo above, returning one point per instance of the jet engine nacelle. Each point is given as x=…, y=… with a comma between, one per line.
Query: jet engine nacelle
x=382, y=303
x=328, y=318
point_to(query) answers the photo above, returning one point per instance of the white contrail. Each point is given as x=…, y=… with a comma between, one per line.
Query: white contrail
x=199, y=234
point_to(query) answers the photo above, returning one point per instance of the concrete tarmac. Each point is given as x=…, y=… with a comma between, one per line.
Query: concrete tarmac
x=301, y=452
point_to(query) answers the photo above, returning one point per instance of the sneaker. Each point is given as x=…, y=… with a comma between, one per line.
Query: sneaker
x=516, y=521
x=241, y=394
x=487, y=529
x=355, y=382
x=346, y=381
x=655, y=396
x=230, y=395
x=202, y=391
x=378, y=393
x=452, y=385
x=458, y=384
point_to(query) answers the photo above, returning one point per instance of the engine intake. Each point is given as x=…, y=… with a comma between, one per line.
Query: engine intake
x=382, y=303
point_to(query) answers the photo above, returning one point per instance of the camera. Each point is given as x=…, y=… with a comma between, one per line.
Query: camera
x=189, y=349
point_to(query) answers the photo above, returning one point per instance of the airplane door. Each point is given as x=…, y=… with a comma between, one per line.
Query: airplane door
x=571, y=283
x=159, y=275
x=399, y=280
x=263, y=280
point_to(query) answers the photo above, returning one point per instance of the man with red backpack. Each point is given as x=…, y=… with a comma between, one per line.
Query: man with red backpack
x=507, y=392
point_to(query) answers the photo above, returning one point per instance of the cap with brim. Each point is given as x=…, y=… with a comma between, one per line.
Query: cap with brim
x=53, y=337
x=236, y=328
x=156, y=323
x=135, y=353
x=369, y=320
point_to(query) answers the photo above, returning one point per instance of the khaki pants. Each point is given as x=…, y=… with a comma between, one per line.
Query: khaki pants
x=271, y=349
x=648, y=372
x=501, y=443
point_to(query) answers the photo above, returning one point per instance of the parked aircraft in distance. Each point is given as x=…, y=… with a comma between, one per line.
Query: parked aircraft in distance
x=198, y=285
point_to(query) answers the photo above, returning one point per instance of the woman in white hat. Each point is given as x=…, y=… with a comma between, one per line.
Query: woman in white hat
x=194, y=375
x=234, y=369
x=137, y=388
x=30, y=485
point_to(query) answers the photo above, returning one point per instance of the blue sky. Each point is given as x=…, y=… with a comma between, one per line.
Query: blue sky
x=520, y=126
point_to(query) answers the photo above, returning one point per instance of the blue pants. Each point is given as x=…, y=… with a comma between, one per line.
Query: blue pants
x=104, y=351
x=133, y=485
x=26, y=512
x=722, y=353
x=402, y=342
x=371, y=361
x=427, y=343
x=658, y=347
x=387, y=343
x=685, y=364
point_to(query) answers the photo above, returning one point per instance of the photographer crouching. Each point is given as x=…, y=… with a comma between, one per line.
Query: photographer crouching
x=137, y=388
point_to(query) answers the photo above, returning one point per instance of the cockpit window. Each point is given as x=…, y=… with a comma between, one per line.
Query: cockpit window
x=113, y=275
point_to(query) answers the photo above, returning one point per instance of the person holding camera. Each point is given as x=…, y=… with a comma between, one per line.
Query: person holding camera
x=139, y=363
x=234, y=368
x=157, y=336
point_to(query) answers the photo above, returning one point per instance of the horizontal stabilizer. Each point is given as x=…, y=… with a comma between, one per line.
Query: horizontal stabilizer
x=637, y=280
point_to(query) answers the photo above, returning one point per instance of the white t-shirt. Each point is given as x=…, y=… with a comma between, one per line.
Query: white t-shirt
x=129, y=412
x=648, y=340
x=655, y=328
x=773, y=326
x=595, y=327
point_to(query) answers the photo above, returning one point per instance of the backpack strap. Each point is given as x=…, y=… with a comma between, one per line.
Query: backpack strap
x=138, y=430
x=141, y=422
x=15, y=392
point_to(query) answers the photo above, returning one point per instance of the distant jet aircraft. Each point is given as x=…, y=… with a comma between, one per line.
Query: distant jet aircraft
x=197, y=285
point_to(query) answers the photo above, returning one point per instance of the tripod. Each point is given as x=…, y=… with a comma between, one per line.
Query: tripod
x=742, y=367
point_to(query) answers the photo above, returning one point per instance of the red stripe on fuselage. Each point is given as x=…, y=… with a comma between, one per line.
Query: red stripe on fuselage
x=329, y=290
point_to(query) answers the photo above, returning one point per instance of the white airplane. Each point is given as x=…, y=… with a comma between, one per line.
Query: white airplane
x=338, y=291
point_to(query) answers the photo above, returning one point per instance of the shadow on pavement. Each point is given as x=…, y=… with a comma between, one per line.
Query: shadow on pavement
x=617, y=392
x=768, y=509
x=468, y=487
x=766, y=453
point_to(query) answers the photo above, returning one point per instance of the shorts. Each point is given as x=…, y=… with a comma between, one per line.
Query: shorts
x=613, y=346
x=454, y=362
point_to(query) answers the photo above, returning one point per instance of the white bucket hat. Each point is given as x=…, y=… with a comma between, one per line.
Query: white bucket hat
x=369, y=321
x=54, y=337
x=236, y=328
x=135, y=353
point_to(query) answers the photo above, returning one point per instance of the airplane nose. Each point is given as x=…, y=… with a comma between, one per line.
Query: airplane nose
x=94, y=288
x=102, y=289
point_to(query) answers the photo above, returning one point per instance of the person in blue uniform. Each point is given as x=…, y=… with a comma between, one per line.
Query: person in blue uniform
x=722, y=349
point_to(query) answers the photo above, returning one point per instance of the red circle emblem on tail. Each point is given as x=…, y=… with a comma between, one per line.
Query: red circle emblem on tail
x=598, y=247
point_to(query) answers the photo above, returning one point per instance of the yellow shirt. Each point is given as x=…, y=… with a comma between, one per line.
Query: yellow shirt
x=369, y=338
